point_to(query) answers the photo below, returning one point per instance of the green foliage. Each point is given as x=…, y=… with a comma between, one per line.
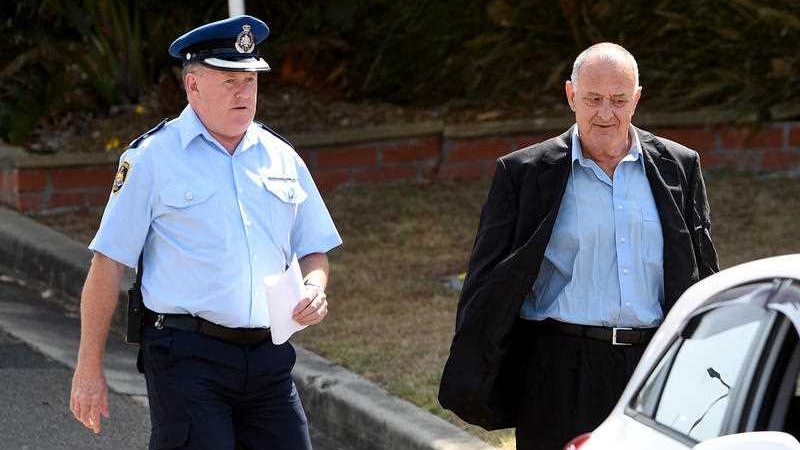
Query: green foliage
x=692, y=53
x=86, y=56
x=93, y=54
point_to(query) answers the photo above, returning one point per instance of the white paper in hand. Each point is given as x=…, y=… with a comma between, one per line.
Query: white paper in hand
x=284, y=292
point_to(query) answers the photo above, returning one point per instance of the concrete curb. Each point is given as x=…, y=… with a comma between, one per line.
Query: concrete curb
x=350, y=407
x=357, y=410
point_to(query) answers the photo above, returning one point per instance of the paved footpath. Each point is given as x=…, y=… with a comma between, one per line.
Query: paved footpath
x=35, y=378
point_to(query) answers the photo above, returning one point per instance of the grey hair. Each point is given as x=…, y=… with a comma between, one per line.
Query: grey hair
x=606, y=51
x=190, y=68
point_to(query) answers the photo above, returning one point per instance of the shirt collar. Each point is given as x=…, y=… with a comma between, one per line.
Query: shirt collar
x=192, y=127
x=250, y=137
x=633, y=153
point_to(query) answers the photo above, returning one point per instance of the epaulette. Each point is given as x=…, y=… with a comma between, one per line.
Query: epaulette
x=135, y=143
x=274, y=133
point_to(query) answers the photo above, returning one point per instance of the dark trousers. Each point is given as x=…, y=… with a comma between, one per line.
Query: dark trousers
x=570, y=384
x=206, y=393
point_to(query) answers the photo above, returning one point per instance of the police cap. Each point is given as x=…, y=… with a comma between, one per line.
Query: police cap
x=228, y=44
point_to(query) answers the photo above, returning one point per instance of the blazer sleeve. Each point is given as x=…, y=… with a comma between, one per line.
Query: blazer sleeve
x=700, y=224
x=494, y=236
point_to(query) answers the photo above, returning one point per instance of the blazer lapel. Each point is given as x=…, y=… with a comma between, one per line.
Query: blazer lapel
x=551, y=183
x=663, y=176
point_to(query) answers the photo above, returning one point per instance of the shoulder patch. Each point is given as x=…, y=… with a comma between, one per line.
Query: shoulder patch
x=121, y=176
x=135, y=143
x=274, y=133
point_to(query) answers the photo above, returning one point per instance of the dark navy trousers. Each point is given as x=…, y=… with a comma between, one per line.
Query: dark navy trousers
x=206, y=393
x=570, y=384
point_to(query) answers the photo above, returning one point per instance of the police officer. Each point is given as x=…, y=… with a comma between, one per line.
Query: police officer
x=213, y=202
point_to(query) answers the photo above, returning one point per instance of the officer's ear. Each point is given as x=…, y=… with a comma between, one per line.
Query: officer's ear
x=190, y=81
x=191, y=75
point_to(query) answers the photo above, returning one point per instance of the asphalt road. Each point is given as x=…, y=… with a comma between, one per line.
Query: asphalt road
x=37, y=348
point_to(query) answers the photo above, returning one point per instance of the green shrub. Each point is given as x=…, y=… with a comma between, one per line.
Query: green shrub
x=724, y=54
x=85, y=56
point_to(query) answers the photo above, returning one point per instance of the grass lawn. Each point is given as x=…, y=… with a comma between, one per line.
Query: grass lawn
x=391, y=318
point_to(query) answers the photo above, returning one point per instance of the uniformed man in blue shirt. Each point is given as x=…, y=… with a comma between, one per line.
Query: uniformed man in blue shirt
x=214, y=203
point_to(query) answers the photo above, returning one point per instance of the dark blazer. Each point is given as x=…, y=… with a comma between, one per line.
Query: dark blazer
x=480, y=378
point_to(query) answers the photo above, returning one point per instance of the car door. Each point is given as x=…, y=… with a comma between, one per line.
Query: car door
x=727, y=371
x=774, y=401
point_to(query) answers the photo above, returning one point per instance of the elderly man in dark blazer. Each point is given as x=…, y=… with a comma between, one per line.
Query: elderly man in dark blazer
x=585, y=242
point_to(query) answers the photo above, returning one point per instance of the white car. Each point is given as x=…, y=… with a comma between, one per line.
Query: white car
x=722, y=370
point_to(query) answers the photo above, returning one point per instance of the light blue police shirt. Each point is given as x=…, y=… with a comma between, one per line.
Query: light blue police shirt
x=604, y=262
x=213, y=225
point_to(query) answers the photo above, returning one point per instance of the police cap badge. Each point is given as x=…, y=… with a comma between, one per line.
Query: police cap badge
x=228, y=44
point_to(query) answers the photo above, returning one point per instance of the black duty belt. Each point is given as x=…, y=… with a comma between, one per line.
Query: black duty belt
x=612, y=335
x=187, y=322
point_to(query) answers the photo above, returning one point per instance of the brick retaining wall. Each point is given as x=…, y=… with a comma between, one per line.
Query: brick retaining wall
x=418, y=152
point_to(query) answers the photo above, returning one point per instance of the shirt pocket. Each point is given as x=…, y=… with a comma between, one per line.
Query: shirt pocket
x=284, y=197
x=653, y=240
x=183, y=195
x=287, y=189
x=190, y=215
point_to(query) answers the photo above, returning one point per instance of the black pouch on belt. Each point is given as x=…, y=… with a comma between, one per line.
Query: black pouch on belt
x=135, y=319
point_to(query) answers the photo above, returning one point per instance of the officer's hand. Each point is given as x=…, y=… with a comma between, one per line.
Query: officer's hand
x=89, y=398
x=313, y=307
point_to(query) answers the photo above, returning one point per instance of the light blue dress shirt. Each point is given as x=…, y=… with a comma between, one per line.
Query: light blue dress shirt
x=604, y=262
x=213, y=225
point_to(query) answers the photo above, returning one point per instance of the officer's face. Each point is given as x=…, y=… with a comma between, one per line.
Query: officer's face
x=225, y=101
x=604, y=101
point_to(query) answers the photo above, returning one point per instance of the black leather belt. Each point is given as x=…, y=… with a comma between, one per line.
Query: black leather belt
x=612, y=335
x=187, y=322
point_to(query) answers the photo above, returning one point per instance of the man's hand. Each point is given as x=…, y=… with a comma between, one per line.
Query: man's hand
x=313, y=307
x=89, y=398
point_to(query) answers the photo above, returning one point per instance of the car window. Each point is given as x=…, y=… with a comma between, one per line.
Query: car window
x=692, y=386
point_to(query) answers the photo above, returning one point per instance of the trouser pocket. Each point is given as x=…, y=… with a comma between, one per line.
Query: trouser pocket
x=171, y=435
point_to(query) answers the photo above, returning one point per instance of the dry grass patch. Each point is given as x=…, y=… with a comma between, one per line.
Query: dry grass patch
x=391, y=319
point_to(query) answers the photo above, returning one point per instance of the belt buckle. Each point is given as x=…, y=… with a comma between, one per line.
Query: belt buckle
x=614, y=335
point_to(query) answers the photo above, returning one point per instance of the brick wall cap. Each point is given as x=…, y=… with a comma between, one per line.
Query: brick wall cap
x=370, y=134
x=469, y=130
x=785, y=112
x=31, y=161
x=559, y=124
x=692, y=119
x=9, y=154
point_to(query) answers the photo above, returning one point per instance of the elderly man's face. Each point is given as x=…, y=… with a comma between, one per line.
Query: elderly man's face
x=604, y=101
x=224, y=101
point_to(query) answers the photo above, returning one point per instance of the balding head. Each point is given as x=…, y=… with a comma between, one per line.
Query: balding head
x=608, y=52
x=603, y=92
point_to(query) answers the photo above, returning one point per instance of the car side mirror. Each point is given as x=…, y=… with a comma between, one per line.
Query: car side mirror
x=761, y=440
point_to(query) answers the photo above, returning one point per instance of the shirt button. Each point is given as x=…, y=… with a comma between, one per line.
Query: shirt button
x=622, y=240
x=619, y=206
x=188, y=196
x=625, y=271
x=291, y=194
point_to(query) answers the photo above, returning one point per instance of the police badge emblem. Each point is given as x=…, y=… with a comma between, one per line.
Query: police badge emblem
x=119, y=179
x=245, y=42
